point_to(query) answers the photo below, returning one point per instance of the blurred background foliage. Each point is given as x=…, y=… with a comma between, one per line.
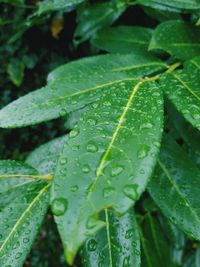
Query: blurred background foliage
x=35, y=37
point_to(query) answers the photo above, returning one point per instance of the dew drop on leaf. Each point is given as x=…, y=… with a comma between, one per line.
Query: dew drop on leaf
x=108, y=191
x=91, y=147
x=59, y=206
x=116, y=171
x=130, y=191
x=92, y=245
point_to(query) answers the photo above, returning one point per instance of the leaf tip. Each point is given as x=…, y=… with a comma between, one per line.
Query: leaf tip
x=69, y=255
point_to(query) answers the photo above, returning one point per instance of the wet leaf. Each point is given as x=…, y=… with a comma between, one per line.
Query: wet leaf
x=172, y=5
x=175, y=188
x=74, y=85
x=22, y=209
x=182, y=89
x=117, y=244
x=108, y=159
x=178, y=38
x=92, y=18
x=123, y=39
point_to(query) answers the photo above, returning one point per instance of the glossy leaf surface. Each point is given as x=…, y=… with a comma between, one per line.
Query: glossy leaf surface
x=123, y=39
x=54, y=5
x=94, y=17
x=171, y=5
x=107, y=159
x=115, y=245
x=182, y=89
x=177, y=38
x=176, y=186
x=76, y=84
x=156, y=248
x=22, y=209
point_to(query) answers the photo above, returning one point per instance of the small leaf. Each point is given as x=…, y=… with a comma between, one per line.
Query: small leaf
x=123, y=39
x=54, y=5
x=108, y=159
x=182, y=89
x=175, y=188
x=117, y=244
x=22, y=209
x=15, y=71
x=94, y=17
x=177, y=38
x=172, y=5
x=74, y=85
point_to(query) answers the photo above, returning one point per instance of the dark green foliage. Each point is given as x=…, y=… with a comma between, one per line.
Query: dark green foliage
x=114, y=84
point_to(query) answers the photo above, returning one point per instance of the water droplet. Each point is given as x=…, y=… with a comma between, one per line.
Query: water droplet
x=73, y=133
x=63, y=112
x=146, y=125
x=92, y=222
x=129, y=234
x=116, y=171
x=108, y=191
x=92, y=245
x=26, y=240
x=86, y=168
x=131, y=191
x=143, y=151
x=74, y=188
x=59, y=206
x=63, y=161
x=18, y=255
x=91, y=147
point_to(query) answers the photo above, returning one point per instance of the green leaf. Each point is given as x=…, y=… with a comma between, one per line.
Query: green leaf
x=54, y=5
x=74, y=85
x=19, y=172
x=177, y=38
x=94, y=17
x=172, y=5
x=155, y=245
x=182, y=89
x=175, y=188
x=15, y=71
x=22, y=209
x=44, y=158
x=107, y=160
x=115, y=245
x=189, y=134
x=123, y=39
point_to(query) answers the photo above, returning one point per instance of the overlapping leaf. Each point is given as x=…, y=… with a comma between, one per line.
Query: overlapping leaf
x=178, y=38
x=75, y=85
x=94, y=17
x=123, y=39
x=107, y=159
x=54, y=5
x=22, y=209
x=182, y=89
x=115, y=245
x=176, y=187
x=172, y=5
x=156, y=247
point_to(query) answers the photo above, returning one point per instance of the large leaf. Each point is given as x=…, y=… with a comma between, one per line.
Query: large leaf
x=182, y=89
x=115, y=245
x=74, y=85
x=172, y=5
x=53, y=5
x=176, y=187
x=94, y=17
x=177, y=38
x=107, y=159
x=22, y=209
x=156, y=248
x=123, y=39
